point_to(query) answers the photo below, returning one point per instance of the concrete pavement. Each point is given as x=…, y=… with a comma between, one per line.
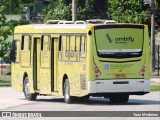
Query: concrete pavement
x=155, y=80
x=11, y=98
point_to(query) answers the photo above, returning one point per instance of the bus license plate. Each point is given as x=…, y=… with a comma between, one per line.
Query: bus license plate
x=120, y=76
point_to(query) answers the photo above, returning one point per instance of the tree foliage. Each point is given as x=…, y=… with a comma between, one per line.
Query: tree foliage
x=87, y=9
x=129, y=11
x=92, y=9
x=13, y=6
x=6, y=29
x=58, y=10
x=158, y=15
x=4, y=32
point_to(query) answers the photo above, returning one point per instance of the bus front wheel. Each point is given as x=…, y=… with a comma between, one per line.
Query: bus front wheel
x=119, y=98
x=27, y=94
x=67, y=98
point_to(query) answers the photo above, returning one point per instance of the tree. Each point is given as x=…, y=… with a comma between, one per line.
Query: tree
x=158, y=15
x=4, y=32
x=129, y=11
x=88, y=9
x=92, y=9
x=6, y=29
x=13, y=6
x=57, y=11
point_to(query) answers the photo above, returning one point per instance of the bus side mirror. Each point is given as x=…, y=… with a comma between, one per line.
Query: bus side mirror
x=12, y=55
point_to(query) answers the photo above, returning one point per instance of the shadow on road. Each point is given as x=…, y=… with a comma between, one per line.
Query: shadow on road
x=59, y=100
x=102, y=101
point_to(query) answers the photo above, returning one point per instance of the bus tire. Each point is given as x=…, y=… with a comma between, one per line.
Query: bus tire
x=28, y=96
x=119, y=98
x=67, y=98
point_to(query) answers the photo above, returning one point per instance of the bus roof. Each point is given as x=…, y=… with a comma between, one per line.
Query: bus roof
x=31, y=27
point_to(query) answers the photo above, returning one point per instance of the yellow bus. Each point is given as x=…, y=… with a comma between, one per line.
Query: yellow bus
x=82, y=59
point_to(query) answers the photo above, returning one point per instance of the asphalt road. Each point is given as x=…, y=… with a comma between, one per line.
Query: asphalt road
x=11, y=100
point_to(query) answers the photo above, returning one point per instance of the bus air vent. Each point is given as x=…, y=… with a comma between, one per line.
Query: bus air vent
x=83, y=81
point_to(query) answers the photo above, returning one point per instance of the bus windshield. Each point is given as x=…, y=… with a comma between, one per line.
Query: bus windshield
x=119, y=42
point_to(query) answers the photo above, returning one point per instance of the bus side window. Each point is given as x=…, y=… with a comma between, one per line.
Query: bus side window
x=46, y=43
x=60, y=44
x=60, y=48
x=45, y=51
x=22, y=43
x=68, y=43
x=42, y=41
x=25, y=55
x=72, y=43
x=26, y=43
x=49, y=43
x=83, y=44
x=17, y=48
x=77, y=44
x=14, y=55
x=64, y=43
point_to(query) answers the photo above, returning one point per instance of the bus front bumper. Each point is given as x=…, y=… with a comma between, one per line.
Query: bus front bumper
x=119, y=86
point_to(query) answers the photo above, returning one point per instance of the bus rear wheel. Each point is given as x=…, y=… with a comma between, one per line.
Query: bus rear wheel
x=119, y=98
x=27, y=94
x=67, y=98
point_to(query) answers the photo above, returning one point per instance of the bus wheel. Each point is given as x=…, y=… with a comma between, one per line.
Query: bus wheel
x=28, y=96
x=119, y=98
x=67, y=98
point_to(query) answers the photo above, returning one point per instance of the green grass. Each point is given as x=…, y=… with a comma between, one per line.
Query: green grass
x=5, y=81
x=155, y=87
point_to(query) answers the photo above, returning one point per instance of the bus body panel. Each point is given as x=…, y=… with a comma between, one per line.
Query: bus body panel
x=130, y=86
x=123, y=52
x=114, y=73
